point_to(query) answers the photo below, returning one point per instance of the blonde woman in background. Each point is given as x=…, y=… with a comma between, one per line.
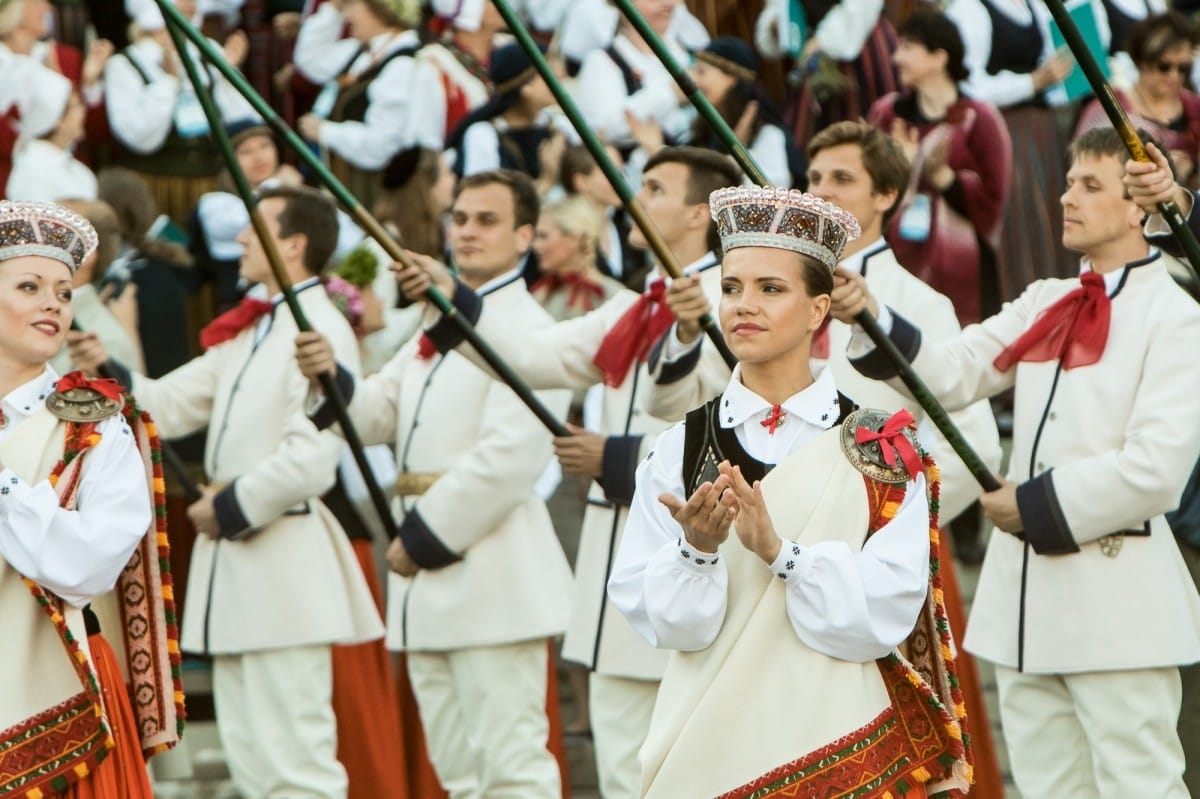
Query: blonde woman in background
x=566, y=242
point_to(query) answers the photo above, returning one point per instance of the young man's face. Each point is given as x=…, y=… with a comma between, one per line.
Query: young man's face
x=664, y=196
x=1096, y=211
x=483, y=233
x=837, y=175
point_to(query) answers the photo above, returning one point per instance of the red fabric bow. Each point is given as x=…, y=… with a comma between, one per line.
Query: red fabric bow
x=106, y=386
x=585, y=293
x=631, y=337
x=1073, y=330
x=234, y=321
x=819, y=348
x=426, y=349
x=893, y=442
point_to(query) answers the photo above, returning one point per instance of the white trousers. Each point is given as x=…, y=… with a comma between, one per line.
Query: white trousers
x=276, y=723
x=620, y=711
x=1097, y=735
x=484, y=714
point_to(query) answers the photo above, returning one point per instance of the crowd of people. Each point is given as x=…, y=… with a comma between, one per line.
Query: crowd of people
x=741, y=557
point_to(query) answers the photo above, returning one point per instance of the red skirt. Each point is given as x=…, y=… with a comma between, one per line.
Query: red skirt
x=370, y=736
x=122, y=775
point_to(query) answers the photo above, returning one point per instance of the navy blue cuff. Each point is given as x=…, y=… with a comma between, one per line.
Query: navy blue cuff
x=425, y=548
x=446, y=334
x=877, y=365
x=676, y=370
x=324, y=416
x=118, y=372
x=618, y=468
x=232, y=524
x=1046, y=528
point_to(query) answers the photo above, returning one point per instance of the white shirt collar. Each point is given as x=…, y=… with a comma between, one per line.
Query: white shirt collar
x=296, y=287
x=854, y=263
x=818, y=404
x=1113, y=279
x=25, y=399
x=498, y=282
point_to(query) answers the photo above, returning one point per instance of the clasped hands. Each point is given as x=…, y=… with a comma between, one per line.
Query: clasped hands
x=710, y=512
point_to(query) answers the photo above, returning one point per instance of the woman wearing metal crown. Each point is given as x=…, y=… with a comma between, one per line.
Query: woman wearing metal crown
x=779, y=541
x=77, y=483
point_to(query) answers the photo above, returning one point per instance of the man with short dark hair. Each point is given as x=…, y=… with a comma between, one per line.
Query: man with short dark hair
x=1084, y=603
x=274, y=581
x=480, y=579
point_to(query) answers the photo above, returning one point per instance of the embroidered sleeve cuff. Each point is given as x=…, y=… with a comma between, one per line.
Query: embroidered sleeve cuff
x=1046, y=528
x=232, y=523
x=789, y=563
x=695, y=560
x=876, y=365
x=445, y=333
x=321, y=412
x=425, y=548
x=618, y=468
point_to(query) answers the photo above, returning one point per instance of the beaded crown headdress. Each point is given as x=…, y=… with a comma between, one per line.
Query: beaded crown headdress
x=36, y=228
x=749, y=216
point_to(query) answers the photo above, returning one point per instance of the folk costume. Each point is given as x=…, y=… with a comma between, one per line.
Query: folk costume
x=377, y=98
x=494, y=583
x=270, y=641
x=462, y=76
x=875, y=677
x=42, y=171
x=81, y=485
x=603, y=347
x=158, y=122
x=1105, y=434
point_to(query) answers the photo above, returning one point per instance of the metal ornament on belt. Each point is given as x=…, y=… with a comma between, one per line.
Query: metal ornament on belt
x=82, y=405
x=868, y=458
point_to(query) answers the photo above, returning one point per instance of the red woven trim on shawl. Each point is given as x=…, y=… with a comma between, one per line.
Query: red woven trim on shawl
x=59, y=746
x=919, y=740
x=147, y=600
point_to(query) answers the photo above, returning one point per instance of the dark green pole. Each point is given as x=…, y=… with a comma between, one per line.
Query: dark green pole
x=1120, y=121
x=328, y=383
x=370, y=225
x=933, y=409
x=653, y=237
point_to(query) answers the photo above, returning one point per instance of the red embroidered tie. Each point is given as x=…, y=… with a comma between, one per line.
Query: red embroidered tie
x=630, y=338
x=585, y=294
x=820, y=341
x=893, y=442
x=234, y=321
x=1073, y=330
x=774, y=419
x=426, y=349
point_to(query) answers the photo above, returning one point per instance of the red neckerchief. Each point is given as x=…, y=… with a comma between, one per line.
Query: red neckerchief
x=234, y=321
x=585, y=294
x=630, y=338
x=1073, y=330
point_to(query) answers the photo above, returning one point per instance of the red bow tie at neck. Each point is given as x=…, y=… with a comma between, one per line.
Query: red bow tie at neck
x=234, y=321
x=585, y=293
x=630, y=338
x=107, y=386
x=893, y=442
x=1073, y=330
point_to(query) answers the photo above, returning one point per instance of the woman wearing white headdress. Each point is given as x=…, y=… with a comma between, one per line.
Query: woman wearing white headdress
x=77, y=521
x=779, y=542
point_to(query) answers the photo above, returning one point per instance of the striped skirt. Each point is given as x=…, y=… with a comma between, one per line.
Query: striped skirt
x=868, y=77
x=1031, y=238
